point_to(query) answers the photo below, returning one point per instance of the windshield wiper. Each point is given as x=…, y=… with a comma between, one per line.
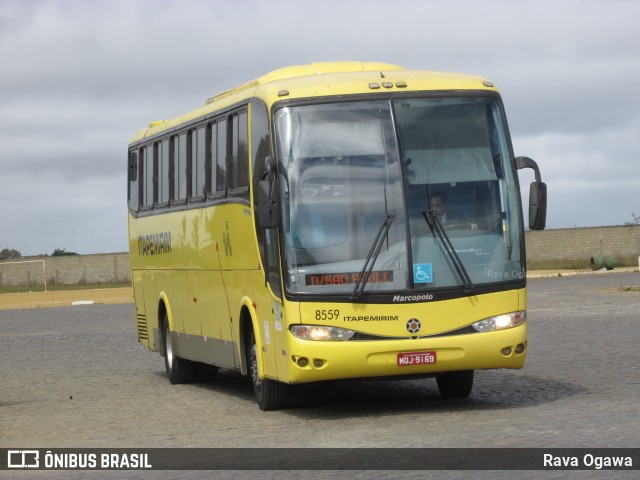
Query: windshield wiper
x=436, y=228
x=374, y=251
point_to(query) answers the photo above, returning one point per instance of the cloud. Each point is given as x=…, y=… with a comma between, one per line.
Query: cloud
x=593, y=179
x=49, y=211
x=80, y=78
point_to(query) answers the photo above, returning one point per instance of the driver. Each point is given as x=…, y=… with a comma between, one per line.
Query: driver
x=448, y=218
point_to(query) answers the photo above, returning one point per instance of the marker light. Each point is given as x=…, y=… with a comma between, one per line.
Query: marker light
x=315, y=332
x=500, y=322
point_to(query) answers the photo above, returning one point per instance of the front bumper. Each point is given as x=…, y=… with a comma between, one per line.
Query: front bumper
x=312, y=361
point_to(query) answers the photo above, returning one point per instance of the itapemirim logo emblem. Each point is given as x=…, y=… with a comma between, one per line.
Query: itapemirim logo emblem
x=413, y=325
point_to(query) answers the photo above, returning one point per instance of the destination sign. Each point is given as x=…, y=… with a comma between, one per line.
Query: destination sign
x=318, y=279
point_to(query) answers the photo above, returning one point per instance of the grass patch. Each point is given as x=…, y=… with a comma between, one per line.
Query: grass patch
x=58, y=287
x=558, y=264
x=631, y=288
x=579, y=264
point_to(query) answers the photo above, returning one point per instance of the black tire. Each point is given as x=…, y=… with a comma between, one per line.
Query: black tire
x=203, y=372
x=178, y=369
x=455, y=384
x=270, y=395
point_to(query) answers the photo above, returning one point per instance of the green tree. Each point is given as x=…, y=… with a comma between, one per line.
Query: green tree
x=61, y=252
x=636, y=220
x=9, y=254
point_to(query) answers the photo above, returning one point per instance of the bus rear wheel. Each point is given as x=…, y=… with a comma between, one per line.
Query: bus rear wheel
x=178, y=369
x=270, y=395
x=455, y=384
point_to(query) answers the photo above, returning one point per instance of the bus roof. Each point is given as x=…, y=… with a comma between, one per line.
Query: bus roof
x=325, y=79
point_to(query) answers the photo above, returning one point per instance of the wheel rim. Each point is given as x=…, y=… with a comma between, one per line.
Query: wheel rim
x=168, y=348
x=257, y=383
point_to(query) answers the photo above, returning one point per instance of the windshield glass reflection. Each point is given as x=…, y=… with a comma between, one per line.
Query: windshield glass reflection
x=344, y=168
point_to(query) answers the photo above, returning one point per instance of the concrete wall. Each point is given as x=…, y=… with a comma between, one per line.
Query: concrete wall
x=583, y=243
x=67, y=270
x=547, y=245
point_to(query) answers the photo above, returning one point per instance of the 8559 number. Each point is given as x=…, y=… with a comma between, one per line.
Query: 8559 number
x=327, y=314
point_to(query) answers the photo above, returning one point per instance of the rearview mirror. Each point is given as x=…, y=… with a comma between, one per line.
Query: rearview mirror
x=537, y=205
x=537, y=195
x=268, y=209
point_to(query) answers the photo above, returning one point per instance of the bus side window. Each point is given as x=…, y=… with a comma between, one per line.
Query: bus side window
x=267, y=238
x=147, y=176
x=134, y=185
x=221, y=158
x=163, y=172
x=198, y=166
x=180, y=168
x=239, y=186
x=213, y=166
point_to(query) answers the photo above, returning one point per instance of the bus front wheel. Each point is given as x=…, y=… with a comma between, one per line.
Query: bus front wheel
x=270, y=395
x=178, y=369
x=455, y=384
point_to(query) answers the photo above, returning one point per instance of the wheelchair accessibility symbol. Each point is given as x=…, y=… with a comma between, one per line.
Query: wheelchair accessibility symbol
x=422, y=273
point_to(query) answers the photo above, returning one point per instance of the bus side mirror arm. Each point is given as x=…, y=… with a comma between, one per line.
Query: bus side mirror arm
x=537, y=195
x=268, y=208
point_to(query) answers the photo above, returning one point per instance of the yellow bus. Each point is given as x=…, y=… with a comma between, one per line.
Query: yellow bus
x=333, y=221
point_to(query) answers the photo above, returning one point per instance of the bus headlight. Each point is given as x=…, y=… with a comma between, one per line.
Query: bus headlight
x=316, y=332
x=500, y=322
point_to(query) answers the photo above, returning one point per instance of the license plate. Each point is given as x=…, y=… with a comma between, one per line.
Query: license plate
x=408, y=359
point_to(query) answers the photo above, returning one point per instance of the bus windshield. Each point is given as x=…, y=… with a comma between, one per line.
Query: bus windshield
x=360, y=181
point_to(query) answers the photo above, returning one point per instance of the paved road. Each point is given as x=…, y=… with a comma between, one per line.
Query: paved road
x=65, y=298
x=76, y=377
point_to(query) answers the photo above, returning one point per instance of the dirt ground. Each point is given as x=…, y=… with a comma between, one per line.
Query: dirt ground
x=65, y=298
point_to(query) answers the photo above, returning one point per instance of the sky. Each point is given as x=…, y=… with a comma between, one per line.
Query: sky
x=79, y=78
